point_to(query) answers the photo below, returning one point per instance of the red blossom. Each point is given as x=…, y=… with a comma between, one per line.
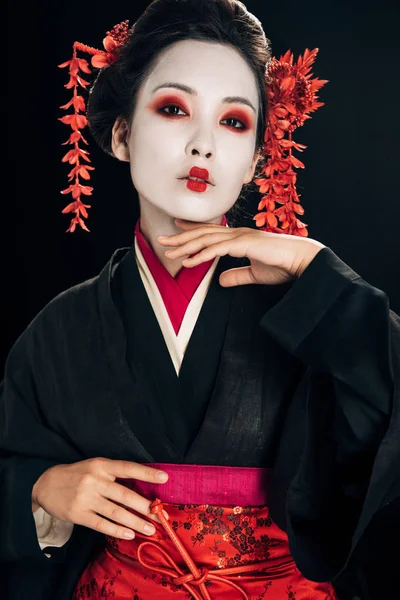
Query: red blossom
x=77, y=207
x=77, y=221
x=107, y=58
x=102, y=59
x=75, y=137
x=76, y=64
x=80, y=170
x=77, y=102
x=76, y=189
x=72, y=156
x=75, y=120
x=292, y=96
x=74, y=81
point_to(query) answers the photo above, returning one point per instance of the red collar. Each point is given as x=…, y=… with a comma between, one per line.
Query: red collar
x=177, y=291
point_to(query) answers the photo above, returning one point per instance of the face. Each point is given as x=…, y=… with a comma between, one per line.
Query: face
x=197, y=108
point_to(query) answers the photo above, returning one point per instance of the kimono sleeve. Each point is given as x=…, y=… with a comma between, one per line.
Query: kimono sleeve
x=343, y=330
x=27, y=449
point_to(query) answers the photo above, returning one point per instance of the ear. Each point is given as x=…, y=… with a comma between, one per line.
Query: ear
x=250, y=172
x=119, y=140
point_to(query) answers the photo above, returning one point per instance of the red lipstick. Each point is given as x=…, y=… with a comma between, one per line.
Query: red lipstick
x=199, y=174
x=196, y=186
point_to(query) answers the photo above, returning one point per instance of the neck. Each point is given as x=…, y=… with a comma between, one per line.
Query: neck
x=153, y=223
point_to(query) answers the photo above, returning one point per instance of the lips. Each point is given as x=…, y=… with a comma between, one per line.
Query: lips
x=196, y=185
x=198, y=180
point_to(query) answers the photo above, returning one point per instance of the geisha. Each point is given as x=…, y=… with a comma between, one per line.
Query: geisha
x=212, y=415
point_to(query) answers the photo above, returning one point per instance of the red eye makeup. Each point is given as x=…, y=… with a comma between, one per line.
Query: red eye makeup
x=166, y=100
x=240, y=115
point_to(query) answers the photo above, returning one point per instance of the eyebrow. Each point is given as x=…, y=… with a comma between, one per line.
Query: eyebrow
x=191, y=91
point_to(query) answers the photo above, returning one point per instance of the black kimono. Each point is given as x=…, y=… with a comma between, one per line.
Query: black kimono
x=300, y=377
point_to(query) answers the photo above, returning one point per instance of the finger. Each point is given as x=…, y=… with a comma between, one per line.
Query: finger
x=98, y=523
x=245, y=276
x=123, y=469
x=186, y=236
x=126, y=497
x=198, y=244
x=237, y=276
x=121, y=516
x=231, y=247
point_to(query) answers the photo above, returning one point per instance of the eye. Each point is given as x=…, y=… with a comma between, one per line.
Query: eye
x=172, y=110
x=171, y=106
x=242, y=126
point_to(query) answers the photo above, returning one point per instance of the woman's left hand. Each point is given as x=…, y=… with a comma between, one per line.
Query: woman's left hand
x=274, y=257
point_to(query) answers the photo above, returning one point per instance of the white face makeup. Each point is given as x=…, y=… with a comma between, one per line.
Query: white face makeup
x=194, y=109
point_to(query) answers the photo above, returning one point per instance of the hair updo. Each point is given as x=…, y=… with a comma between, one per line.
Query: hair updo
x=164, y=22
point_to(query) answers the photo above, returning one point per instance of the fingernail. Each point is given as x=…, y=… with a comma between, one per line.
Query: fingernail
x=149, y=529
x=161, y=237
x=165, y=515
x=129, y=535
x=161, y=476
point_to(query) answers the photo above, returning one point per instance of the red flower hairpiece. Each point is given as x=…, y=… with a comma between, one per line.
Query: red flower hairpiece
x=112, y=43
x=292, y=95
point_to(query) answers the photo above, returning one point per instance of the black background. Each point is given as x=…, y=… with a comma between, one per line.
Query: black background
x=349, y=186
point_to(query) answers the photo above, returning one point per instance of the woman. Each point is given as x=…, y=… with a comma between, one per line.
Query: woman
x=266, y=409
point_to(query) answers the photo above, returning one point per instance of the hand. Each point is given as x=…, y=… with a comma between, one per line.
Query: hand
x=86, y=493
x=274, y=257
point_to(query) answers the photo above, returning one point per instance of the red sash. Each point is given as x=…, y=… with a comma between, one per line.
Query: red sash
x=206, y=550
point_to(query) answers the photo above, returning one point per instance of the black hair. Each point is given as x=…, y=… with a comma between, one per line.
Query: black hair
x=163, y=23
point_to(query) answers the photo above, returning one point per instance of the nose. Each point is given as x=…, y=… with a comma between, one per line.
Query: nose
x=201, y=145
x=196, y=150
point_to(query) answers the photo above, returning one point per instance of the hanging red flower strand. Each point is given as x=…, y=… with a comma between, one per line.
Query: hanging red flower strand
x=292, y=96
x=77, y=120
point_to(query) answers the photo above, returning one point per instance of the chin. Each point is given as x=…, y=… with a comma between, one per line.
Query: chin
x=195, y=213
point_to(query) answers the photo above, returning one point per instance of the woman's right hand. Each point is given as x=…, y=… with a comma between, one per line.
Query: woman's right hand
x=86, y=493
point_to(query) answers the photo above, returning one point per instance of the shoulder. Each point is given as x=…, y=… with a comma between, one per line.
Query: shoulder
x=75, y=308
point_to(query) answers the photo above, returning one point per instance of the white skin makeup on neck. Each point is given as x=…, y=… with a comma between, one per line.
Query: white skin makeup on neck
x=198, y=107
